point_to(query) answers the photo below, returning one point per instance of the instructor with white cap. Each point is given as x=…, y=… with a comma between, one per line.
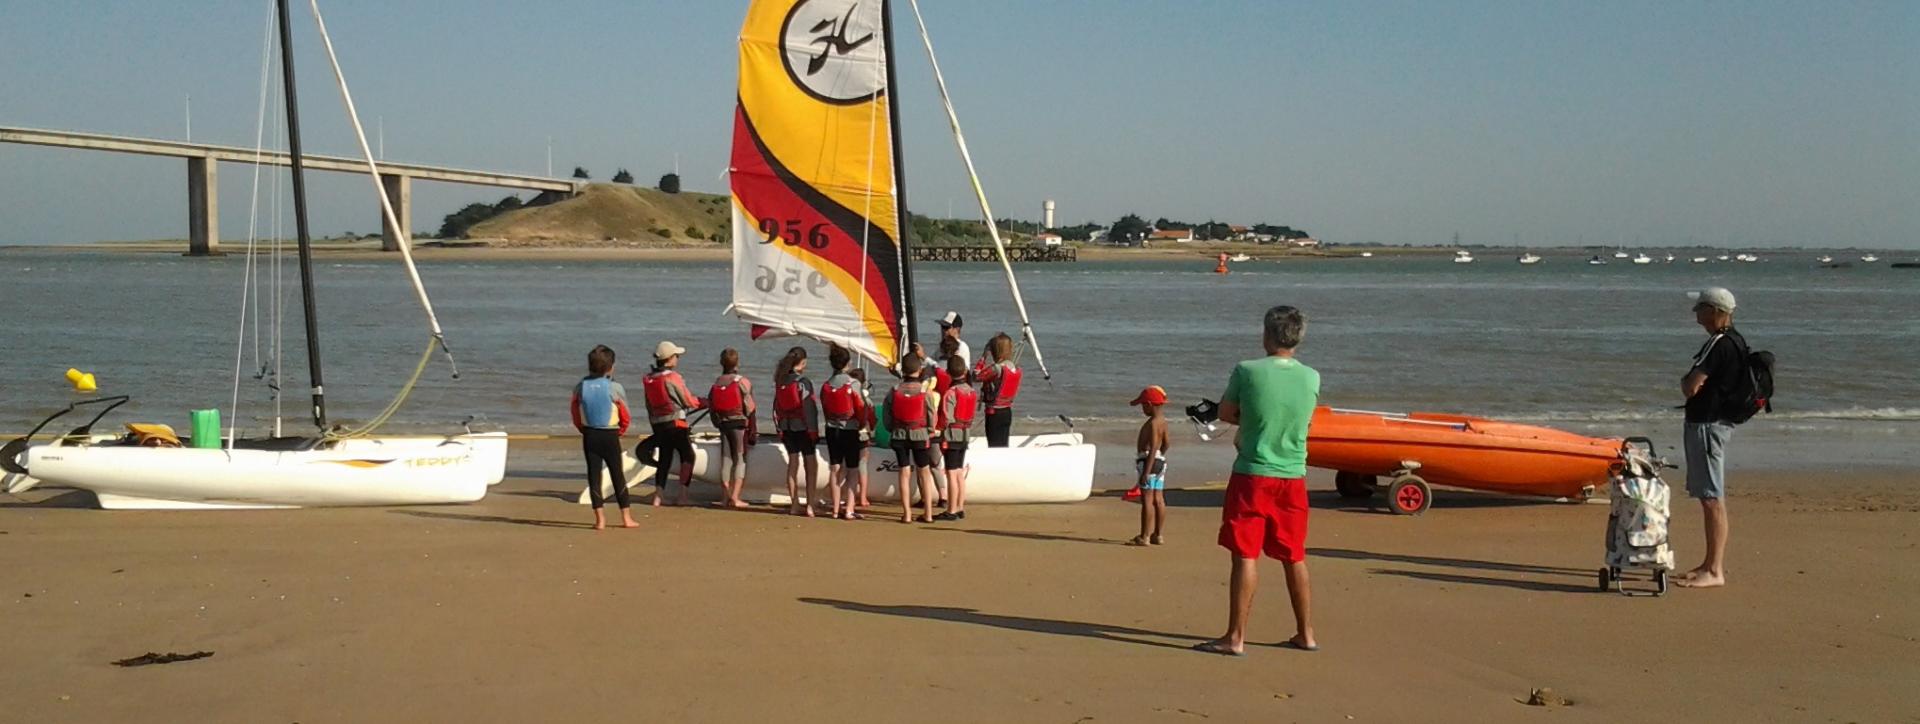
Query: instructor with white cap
x=1710, y=387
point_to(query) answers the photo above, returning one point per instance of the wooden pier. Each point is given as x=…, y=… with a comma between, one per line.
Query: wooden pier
x=985, y=253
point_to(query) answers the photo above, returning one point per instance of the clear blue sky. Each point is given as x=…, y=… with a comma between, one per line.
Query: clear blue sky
x=1726, y=123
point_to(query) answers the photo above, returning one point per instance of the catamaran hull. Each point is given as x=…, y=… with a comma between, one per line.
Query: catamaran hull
x=360, y=472
x=1048, y=468
x=637, y=473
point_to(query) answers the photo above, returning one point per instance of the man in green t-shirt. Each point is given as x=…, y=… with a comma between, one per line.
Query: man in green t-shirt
x=1272, y=400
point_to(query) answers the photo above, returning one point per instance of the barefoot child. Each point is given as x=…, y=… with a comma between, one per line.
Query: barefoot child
x=958, y=403
x=866, y=429
x=600, y=414
x=796, y=414
x=841, y=404
x=1152, y=464
x=668, y=402
x=911, y=410
x=731, y=402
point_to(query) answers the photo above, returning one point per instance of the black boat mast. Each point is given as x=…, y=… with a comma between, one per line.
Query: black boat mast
x=300, y=219
x=905, y=220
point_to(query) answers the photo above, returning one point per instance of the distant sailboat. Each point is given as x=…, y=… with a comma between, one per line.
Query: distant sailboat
x=1699, y=260
x=1529, y=258
x=1643, y=259
x=1869, y=258
x=1463, y=257
x=1597, y=261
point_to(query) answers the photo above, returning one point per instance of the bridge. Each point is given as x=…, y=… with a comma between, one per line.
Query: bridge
x=203, y=205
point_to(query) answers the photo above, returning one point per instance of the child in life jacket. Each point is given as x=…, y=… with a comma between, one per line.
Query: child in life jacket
x=911, y=413
x=999, y=380
x=600, y=414
x=668, y=402
x=958, y=405
x=797, y=417
x=1152, y=466
x=731, y=408
x=866, y=430
x=842, y=405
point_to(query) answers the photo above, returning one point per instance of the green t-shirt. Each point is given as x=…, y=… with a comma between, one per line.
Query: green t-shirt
x=1276, y=396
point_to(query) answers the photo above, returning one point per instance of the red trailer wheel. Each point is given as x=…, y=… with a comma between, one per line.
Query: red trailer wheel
x=1409, y=495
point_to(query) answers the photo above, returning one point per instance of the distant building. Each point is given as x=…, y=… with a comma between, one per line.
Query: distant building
x=1047, y=239
x=1237, y=232
x=1178, y=235
x=1304, y=242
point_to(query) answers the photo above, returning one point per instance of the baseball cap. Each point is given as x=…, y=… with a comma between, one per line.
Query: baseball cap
x=1153, y=395
x=1717, y=297
x=951, y=320
x=667, y=349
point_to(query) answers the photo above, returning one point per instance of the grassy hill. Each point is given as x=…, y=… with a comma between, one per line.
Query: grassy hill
x=614, y=213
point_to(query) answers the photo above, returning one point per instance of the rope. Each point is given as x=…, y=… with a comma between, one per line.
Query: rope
x=249, y=288
x=406, y=390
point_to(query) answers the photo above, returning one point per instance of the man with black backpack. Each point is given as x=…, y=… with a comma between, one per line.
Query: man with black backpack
x=1719, y=389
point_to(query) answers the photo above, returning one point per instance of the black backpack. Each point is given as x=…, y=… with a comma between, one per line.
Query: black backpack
x=1753, y=391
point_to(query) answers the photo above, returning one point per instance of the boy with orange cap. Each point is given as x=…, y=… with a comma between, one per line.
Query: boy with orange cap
x=1152, y=465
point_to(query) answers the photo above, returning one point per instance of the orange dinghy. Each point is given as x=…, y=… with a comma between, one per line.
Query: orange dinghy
x=1415, y=449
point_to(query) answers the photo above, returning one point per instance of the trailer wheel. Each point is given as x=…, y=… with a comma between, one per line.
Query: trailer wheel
x=1409, y=495
x=1606, y=579
x=1355, y=485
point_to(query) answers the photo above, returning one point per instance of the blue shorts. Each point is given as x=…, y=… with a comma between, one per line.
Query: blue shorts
x=1155, y=482
x=1706, y=447
x=1157, y=478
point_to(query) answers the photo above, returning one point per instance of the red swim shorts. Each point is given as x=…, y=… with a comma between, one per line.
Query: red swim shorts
x=1265, y=514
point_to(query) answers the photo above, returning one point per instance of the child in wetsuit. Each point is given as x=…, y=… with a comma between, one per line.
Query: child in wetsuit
x=668, y=403
x=732, y=411
x=1152, y=466
x=797, y=415
x=912, y=409
x=599, y=411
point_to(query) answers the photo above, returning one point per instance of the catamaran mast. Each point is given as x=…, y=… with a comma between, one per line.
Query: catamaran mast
x=905, y=220
x=300, y=218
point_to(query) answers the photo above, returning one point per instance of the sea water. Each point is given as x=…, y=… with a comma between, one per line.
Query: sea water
x=1596, y=349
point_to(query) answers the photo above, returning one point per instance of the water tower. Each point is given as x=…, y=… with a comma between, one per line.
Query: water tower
x=1046, y=214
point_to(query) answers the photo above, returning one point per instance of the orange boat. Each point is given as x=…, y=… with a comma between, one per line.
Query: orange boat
x=1422, y=448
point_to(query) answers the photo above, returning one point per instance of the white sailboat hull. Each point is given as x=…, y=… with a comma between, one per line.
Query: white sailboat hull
x=1046, y=468
x=359, y=472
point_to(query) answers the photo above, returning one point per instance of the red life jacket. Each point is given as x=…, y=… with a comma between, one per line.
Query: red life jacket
x=660, y=405
x=957, y=409
x=942, y=380
x=726, y=400
x=841, y=403
x=789, y=399
x=1004, y=387
x=907, y=413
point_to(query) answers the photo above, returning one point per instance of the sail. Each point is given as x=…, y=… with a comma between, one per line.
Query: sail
x=816, y=215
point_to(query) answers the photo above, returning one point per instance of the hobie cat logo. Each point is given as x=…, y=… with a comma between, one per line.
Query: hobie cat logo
x=833, y=51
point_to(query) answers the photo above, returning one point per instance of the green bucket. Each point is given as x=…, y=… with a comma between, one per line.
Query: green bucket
x=206, y=429
x=882, y=437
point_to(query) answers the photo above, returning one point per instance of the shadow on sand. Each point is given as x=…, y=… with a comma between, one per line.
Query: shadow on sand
x=492, y=519
x=1528, y=569
x=1025, y=535
x=1119, y=634
x=63, y=499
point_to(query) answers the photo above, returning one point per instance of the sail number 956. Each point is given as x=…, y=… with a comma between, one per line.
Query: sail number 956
x=789, y=281
x=790, y=232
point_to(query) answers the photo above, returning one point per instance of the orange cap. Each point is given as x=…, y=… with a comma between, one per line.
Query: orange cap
x=1153, y=395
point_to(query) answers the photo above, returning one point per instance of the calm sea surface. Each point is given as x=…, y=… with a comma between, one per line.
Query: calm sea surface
x=1591, y=348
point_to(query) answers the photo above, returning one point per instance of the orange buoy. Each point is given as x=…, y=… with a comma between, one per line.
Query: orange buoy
x=1222, y=268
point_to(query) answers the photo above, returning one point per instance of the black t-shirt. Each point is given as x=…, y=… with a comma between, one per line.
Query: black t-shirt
x=1721, y=359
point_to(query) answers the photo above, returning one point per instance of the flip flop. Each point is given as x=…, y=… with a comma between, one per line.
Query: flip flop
x=1291, y=644
x=1215, y=647
x=1137, y=541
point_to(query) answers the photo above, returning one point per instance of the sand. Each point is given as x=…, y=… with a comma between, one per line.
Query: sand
x=511, y=610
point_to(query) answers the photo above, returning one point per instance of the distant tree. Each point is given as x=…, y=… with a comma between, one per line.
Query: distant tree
x=581, y=172
x=670, y=183
x=622, y=177
x=1213, y=231
x=456, y=224
x=1165, y=224
x=1077, y=232
x=1130, y=228
x=507, y=204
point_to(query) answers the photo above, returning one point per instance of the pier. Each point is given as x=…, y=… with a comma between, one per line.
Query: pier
x=985, y=253
x=203, y=203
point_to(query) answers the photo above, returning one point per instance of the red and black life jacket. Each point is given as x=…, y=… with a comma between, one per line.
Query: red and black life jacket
x=727, y=399
x=790, y=404
x=1004, y=387
x=660, y=405
x=957, y=409
x=840, y=403
x=907, y=413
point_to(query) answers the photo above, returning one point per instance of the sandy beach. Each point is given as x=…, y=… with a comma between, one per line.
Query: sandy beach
x=512, y=610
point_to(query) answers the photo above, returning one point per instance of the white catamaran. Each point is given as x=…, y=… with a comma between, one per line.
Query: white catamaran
x=333, y=467
x=820, y=234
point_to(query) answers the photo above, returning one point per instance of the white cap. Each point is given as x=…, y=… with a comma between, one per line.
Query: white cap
x=667, y=349
x=1716, y=297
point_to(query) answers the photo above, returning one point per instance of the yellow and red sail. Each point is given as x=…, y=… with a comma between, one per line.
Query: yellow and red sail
x=816, y=221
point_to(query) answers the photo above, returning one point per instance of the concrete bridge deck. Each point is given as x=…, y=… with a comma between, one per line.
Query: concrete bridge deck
x=203, y=159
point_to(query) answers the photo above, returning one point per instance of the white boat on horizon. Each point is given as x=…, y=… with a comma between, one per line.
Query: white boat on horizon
x=1699, y=260
x=1529, y=258
x=1463, y=257
x=1643, y=259
x=1621, y=254
x=1869, y=258
x=1597, y=261
x=1827, y=259
x=1237, y=258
